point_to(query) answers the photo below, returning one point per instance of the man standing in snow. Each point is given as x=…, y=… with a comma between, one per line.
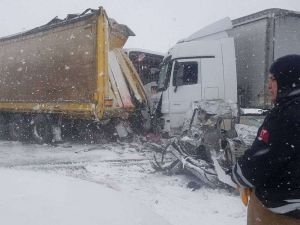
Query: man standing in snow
x=271, y=167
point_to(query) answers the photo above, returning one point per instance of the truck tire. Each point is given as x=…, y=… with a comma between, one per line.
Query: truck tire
x=3, y=126
x=19, y=128
x=92, y=133
x=42, y=129
x=87, y=132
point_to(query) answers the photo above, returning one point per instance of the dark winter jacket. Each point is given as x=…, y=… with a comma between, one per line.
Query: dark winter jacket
x=272, y=165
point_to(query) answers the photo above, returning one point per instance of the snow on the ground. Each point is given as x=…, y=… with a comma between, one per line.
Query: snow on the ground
x=126, y=169
x=38, y=198
x=17, y=154
x=253, y=111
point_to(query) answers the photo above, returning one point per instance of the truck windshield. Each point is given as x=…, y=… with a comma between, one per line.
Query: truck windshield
x=164, y=74
x=146, y=64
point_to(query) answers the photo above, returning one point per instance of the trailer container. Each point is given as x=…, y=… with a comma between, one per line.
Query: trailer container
x=70, y=68
x=261, y=38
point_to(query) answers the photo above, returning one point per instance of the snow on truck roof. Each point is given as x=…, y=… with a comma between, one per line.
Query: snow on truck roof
x=273, y=12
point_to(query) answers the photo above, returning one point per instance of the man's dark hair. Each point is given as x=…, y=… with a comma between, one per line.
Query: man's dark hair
x=286, y=71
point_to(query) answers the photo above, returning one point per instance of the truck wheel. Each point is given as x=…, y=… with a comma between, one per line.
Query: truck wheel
x=3, y=126
x=42, y=130
x=19, y=128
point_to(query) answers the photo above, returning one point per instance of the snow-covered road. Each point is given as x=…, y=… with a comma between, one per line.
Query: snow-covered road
x=126, y=168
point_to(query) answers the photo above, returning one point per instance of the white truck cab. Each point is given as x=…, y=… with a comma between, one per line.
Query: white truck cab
x=199, y=68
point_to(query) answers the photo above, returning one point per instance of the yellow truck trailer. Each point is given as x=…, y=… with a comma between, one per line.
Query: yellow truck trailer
x=70, y=69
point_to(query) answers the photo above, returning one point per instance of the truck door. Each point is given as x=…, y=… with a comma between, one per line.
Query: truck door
x=212, y=78
x=185, y=88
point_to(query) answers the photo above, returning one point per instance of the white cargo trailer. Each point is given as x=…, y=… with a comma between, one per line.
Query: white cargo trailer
x=260, y=39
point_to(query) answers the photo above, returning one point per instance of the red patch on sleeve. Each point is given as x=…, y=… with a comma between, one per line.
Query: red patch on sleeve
x=264, y=136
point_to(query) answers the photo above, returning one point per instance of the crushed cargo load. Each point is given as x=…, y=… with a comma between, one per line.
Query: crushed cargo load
x=69, y=74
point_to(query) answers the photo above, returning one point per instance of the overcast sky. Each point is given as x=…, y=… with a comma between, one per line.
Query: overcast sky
x=158, y=24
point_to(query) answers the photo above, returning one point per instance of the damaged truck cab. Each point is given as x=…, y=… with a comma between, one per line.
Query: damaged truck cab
x=200, y=68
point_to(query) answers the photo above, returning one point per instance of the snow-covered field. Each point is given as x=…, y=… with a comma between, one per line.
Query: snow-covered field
x=39, y=198
x=123, y=169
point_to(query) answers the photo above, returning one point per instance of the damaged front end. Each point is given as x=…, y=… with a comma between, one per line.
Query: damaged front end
x=207, y=149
